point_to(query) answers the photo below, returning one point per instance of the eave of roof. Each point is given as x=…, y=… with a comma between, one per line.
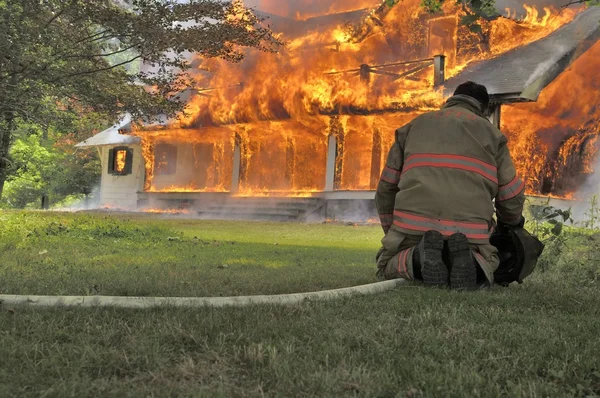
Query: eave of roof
x=112, y=136
x=521, y=74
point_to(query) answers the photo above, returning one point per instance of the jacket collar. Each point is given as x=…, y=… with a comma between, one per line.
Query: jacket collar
x=466, y=102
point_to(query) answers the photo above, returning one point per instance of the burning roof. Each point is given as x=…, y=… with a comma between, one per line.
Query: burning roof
x=319, y=71
x=522, y=73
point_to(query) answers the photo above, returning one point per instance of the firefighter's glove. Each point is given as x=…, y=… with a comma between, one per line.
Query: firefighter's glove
x=504, y=228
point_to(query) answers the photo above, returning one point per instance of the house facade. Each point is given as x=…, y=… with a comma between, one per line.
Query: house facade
x=333, y=156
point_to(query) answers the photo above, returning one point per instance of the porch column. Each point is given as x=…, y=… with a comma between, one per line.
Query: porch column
x=439, y=70
x=339, y=158
x=290, y=161
x=330, y=171
x=375, y=158
x=335, y=155
x=495, y=111
x=235, y=179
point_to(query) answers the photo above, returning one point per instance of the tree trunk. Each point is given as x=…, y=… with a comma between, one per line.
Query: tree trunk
x=6, y=132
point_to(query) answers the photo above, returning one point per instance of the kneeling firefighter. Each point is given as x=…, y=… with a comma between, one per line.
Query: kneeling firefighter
x=445, y=175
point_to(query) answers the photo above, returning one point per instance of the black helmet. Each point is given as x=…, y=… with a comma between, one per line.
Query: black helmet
x=518, y=252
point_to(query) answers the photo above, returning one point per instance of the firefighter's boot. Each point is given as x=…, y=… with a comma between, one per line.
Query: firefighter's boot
x=463, y=269
x=428, y=257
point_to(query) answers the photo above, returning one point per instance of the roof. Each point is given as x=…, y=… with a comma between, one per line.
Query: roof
x=521, y=74
x=112, y=136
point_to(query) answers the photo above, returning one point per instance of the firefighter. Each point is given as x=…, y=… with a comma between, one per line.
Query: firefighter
x=445, y=174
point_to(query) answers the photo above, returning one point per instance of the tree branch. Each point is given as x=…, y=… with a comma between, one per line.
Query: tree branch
x=571, y=2
x=92, y=71
x=89, y=56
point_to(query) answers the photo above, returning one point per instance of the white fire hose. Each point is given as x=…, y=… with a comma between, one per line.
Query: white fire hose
x=8, y=300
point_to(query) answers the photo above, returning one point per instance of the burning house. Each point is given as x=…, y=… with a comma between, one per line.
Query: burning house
x=312, y=124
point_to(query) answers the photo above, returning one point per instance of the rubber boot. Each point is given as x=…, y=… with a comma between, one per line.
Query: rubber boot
x=463, y=270
x=433, y=270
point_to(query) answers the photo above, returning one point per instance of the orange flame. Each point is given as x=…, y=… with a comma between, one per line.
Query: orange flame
x=281, y=107
x=120, y=160
x=554, y=140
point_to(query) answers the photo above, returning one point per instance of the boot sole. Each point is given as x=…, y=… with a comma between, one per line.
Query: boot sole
x=433, y=269
x=463, y=274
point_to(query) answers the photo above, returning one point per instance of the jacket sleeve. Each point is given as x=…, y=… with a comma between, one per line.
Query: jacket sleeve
x=385, y=198
x=511, y=189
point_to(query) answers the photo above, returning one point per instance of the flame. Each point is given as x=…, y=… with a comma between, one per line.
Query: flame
x=292, y=194
x=166, y=211
x=294, y=84
x=281, y=108
x=554, y=141
x=120, y=160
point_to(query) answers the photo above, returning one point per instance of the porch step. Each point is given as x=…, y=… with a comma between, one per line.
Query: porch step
x=267, y=209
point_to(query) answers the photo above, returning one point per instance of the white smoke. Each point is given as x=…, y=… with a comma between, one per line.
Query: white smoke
x=588, y=190
x=543, y=67
x=91, y=201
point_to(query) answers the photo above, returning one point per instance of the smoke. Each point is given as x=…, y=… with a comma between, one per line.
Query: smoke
x=557, y=54
x=588, y=190
x=207, y=206
x=91, y=201
x=351, y=210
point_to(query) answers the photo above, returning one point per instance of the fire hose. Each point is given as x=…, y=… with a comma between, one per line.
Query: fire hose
x=233, y=301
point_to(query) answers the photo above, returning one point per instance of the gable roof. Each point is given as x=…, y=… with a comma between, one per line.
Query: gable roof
x=521, y=74
x=112, y=136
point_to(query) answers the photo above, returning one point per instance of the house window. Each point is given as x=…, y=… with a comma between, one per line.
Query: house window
x=120, y=161
x=165, y=159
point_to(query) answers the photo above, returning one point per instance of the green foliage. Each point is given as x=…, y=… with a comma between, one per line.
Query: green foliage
x=46, y=163
x=475, y=10
x=593, y=214
x=32, y=166
x=547, y=220
x=581, y=263
x=548, y=223
x=432, y=6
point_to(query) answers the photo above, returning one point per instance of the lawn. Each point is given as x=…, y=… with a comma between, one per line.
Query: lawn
x=142, y=255
x=537, y=339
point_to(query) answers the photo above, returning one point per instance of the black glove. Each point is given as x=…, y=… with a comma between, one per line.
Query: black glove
x=503, y=228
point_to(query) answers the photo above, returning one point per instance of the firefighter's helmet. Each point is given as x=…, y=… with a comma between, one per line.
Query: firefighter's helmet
x=518, y=252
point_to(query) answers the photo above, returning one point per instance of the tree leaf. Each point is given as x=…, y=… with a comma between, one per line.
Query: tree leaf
x=469, y=19
x=557, y=229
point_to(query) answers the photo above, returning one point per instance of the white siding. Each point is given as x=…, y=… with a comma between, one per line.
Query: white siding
x=121, y=191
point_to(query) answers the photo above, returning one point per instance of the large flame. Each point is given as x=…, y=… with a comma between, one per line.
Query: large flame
x=282, y=107
x=554, y=139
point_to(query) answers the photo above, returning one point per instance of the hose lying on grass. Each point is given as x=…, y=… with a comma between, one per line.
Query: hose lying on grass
x=234, y=301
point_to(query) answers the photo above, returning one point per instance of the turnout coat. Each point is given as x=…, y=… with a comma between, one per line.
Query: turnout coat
x=450, y=171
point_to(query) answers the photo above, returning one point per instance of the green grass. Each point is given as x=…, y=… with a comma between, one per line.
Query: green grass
x=75, y=254
x=537, y=339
